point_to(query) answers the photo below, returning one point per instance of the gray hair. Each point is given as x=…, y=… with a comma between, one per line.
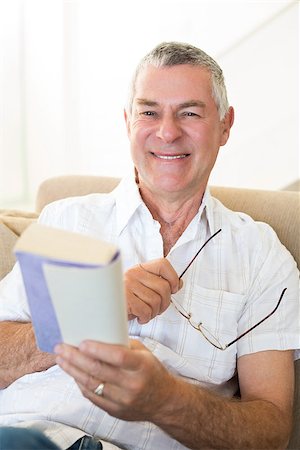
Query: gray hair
x=176, y=53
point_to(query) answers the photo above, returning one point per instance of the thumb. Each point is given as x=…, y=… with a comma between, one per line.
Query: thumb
x=137, y=345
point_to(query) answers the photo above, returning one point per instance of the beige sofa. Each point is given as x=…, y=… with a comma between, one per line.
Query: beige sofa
x=280, y=209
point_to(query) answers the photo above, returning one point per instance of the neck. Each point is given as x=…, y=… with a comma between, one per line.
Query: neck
x=173, y=215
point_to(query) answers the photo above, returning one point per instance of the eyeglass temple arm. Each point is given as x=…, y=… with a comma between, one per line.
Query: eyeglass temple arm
x=261, y=321
x=206, y=242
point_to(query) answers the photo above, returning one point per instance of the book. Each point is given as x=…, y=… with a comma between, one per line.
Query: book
x=74, y=287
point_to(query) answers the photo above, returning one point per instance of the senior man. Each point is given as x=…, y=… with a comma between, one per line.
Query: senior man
x=212, y=295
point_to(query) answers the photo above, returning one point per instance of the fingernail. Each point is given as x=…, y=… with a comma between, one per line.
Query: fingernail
x=58, y=349
x=84, y=345
x=59, y=360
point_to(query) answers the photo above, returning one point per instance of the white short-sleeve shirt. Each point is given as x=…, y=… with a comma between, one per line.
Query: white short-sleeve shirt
x=234, y=282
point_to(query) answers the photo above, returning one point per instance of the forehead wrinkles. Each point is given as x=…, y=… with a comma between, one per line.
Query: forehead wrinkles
x=186, y=85
x=179, y=106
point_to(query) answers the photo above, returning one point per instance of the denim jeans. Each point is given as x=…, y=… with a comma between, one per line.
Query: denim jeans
x=30, y=439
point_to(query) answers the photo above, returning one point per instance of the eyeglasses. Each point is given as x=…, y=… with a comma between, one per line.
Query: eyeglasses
x=201, y=328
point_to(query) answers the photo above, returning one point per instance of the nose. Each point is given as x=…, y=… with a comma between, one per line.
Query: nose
x=168, y=129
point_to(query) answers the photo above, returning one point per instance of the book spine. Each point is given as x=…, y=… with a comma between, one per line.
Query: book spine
x=43, y=316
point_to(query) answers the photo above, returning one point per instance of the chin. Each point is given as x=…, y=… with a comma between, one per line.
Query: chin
x=170, y=187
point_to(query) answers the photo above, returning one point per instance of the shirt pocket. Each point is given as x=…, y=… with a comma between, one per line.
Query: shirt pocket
x=217, y=313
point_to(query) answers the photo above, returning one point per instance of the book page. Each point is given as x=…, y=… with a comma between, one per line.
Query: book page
x=89, y=302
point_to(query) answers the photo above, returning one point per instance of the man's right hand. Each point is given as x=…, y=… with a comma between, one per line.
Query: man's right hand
x=148, y=289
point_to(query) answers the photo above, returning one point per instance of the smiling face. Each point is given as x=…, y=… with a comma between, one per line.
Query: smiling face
x=175, y=130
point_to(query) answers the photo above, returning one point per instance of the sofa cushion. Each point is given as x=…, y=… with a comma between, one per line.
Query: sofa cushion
x=12, y=224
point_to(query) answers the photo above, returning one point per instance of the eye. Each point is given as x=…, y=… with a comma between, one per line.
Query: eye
x=190, y=114
x=148, y=113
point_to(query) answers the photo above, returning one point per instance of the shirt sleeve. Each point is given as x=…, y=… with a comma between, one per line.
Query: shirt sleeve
x=274, y=270
x=13, y=300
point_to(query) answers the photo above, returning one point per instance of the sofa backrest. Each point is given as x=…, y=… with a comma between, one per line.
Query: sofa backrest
x=280, y=209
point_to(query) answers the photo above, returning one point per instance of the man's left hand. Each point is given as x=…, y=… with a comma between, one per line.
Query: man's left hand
x=136, y=385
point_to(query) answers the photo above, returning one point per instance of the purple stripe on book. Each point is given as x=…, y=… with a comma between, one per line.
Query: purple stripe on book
x=43, y=316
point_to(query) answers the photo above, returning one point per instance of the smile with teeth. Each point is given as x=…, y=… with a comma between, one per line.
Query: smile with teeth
x=170, y=157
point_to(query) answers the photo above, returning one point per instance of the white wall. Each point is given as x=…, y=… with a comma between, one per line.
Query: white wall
x=65, y=68
x=11, y=113
x=262, y=73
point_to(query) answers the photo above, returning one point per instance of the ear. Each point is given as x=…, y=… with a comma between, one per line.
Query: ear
x=226, y=125
x=127, y=121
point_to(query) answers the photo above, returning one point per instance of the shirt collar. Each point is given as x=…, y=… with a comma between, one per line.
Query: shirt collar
x=128, y=200
x=203, y=218
x=208, y=204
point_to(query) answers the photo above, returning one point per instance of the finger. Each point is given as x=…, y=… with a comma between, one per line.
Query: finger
x=85, y=369
x=163, y=268
x=114, y=393
x=117, y=398
x=137, y=308
x=81, y=377
x=149, y=288
x=134, y=344
x=110, y=401
x=145, y=284
x=144, y=302
x=71, y=359
x=115, y=355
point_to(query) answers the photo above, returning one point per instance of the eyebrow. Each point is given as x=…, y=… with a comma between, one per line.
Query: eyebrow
x=192, y=103
x=187, y=104
x=144, y=101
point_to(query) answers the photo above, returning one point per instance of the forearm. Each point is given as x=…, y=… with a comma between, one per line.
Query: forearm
x=139, y=388
x=200, y=419
x=19, y=354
